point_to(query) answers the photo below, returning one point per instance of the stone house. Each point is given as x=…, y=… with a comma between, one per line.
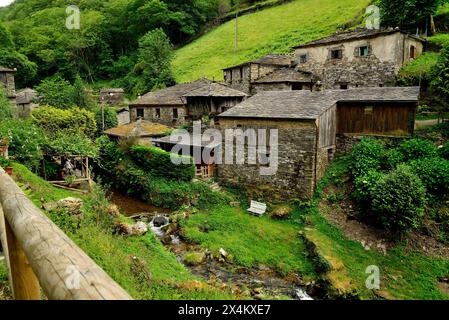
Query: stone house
x=284, y=79
x=185, y=102
x=7, y=80
x=112, y=95
x=242, y=76
x=26, y=102
x=359, y=58
x=123, y=116
x=308, y=124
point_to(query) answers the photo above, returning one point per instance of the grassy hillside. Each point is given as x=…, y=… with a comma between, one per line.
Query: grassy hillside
x=271, y=30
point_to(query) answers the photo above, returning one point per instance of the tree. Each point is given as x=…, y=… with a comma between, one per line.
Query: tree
x=80, y=98
x=56, y=92
x=408, y=13
x=440, y=83
x=6, y=109
x=154, y=61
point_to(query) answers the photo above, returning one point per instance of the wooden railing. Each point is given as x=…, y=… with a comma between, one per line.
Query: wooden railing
x=40, y=255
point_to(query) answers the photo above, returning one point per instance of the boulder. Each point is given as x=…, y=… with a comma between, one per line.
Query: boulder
x=71, y=205
x=281, y=213
x=138, y=229
x=159, y=221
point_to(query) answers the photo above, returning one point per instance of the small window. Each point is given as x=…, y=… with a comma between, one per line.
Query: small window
x=412, y=52
x=363, y=51
x=368, y=110
x=175, y=113
x=303, y=58
x=344, y=86
x=158, y=113
x=140, y=113
x=381, y=85
x=241, y=73
x=337, y=54
x=297, y=86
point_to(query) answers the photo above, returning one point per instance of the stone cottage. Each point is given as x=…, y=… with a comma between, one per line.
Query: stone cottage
x=142, y=130
x=308, y=124
x=26, y=102
x=242, y=76
x=7, y=80
x=123, y=116
x=185, y=102
x=112, y=95
x=359, y=58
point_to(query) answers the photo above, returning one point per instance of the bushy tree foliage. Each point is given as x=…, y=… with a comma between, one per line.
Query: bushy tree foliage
x=440, y=83
x=6, y=108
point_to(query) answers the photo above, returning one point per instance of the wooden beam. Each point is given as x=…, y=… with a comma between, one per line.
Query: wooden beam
x=64, y=271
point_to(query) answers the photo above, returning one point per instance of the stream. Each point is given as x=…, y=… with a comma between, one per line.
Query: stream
x=258, y=283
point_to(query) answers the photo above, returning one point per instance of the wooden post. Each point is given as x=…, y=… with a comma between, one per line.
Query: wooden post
x=63, y=269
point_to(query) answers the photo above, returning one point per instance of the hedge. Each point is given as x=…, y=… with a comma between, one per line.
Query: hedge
x=159, y=163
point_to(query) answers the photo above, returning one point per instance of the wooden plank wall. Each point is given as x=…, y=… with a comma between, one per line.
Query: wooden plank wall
x=385, y=118
x=327, y=128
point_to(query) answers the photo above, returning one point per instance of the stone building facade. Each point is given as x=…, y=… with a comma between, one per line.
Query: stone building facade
x=26, y=102
x=360, y=58
x=307, y=124
x=7, y=81
x=183, y=103
x=112, y=95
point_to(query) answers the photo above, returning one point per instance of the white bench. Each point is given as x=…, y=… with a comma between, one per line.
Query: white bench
x=257, y=208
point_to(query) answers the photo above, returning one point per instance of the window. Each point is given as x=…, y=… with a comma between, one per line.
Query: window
x=412, y=52
x=297, y=86
x=363, y=51
x=303, y=58
x=158, y=113
x=140, y=113
x=368, y=110
x=381, y=85
x=337, y=54
x=344, y=86
x=175, y=113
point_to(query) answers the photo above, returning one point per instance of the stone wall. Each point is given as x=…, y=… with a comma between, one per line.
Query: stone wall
x=166, y=114
x=275, y=86
x=295, y=177
x=386, y=55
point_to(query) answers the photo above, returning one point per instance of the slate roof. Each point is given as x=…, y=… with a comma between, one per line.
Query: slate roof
x=174, y=95
x=214, y=89
x=26, y=96
x=3, y=69
x=360, y=33
x=187, y=140
x=140, y=128
x=308, y=105
x=270, y=59
x=286, y=75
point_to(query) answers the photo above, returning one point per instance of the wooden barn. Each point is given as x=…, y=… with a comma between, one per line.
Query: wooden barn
x=307, y=125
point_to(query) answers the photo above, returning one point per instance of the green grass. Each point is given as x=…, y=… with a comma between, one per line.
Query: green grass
x=160, y=275
x=418, y=69
x=440, y=39
x=405, y=274
x=251, y=241
x=273, y=30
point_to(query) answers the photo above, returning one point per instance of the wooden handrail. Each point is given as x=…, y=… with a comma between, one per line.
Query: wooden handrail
x=38, y=252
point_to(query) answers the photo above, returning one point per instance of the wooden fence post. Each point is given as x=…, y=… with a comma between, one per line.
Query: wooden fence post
x=23, y=281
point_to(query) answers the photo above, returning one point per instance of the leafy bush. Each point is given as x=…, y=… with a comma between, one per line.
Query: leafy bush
x=6, y=108
x=159, y=163
x=393, y=158
x=434, y=173
x=365, y=186
x=367, y=155
x=444, y=151
x=399, y=199
x=417, y=148
x=74, y=120
x=110, y=118
x=64, y=144
x=117, y=168
x=25, y=141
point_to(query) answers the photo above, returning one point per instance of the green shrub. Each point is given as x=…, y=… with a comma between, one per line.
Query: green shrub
x=110, y=118
x=434, y=173
x=399, y=199
x=417, y=148
x=53, y=120
x=25, y=141
x=392, y=159
x=367, y=155
x=444, y=151
x=159, y=163
x=364, y=186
